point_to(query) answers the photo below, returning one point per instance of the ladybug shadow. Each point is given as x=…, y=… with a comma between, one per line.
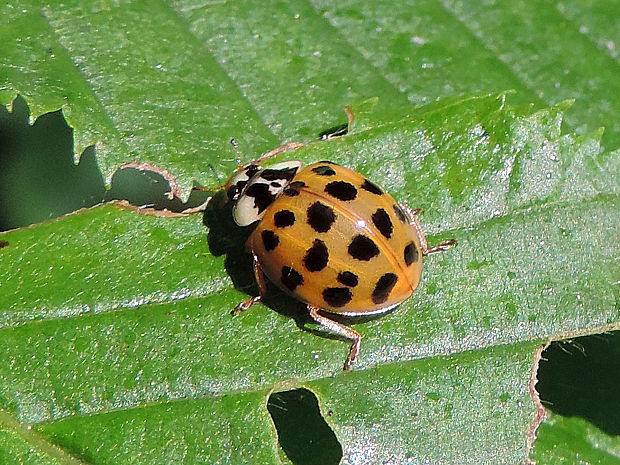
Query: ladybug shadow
x=225, y=237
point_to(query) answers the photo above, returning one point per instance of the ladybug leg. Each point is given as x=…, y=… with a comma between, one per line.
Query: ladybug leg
x=341, y=330
x=426, y=250
x=262, y=288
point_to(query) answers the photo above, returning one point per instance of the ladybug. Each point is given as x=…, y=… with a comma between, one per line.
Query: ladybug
x=328, y=237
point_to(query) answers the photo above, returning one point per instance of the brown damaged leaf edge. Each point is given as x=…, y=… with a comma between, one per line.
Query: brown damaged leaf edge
x=540, y=414
x=3, y=244
x=175, y=191
x=350, y=116
x=125, y=205
x=174, y=188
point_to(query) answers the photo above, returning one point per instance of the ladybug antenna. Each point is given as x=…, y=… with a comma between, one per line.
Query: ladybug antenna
x=215, y=173
x=233, y=142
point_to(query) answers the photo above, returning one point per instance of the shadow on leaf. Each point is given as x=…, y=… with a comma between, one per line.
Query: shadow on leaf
x=303, y=434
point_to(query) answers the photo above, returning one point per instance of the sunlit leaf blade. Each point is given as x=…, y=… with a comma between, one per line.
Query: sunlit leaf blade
x=117, y=342
x=103, y=259
x=20, y=445
x=459, y=409
x=393, y=412
x=575, y=440
x=505, y=284
x=143, y=100
x=227, y=429
x=196, y=343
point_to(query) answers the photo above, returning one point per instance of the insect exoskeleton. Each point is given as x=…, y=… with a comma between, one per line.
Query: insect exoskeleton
x=330, y=238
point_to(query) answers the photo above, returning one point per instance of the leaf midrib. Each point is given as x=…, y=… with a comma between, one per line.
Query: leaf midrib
x=36, y=440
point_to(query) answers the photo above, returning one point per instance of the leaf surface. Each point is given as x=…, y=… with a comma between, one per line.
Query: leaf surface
x=575, y=440
x=132, y=311
x=116, y=333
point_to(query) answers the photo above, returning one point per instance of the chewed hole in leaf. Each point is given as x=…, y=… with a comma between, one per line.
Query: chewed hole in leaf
x=580, y=377
x=149, y=189
x=39, y=179
x=303, y=434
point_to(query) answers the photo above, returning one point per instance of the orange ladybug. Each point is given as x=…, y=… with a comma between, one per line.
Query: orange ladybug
x=330, y=238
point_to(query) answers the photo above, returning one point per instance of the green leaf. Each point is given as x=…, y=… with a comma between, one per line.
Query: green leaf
x=116, y=337
x=542, y=49
x=155, y=323
x=398, y=411
x=119, y=100
x=392, y=412
x=176, y=87
x=578, y=382
x=83, y=262
x=575, y=440
x=210, y=430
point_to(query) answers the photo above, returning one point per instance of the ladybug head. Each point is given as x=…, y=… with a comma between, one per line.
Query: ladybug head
x=237, y=182
x=253, y=188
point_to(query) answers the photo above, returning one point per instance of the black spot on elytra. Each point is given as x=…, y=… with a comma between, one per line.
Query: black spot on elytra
x=382, y=221
x=348, y=279
x=337, y=296
x=273, y=175
x=400, y=214
x=372, y=188
x=411, y=254
x=384, y=286
x=276, y=184
x=363, y=248
x=341, y=190
x=323, y=170
x=291, y=278
x=293, y=188
x=321, y=217
x=262, y=197
x=316, y=256
x=270, y=239
x=284, y=218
